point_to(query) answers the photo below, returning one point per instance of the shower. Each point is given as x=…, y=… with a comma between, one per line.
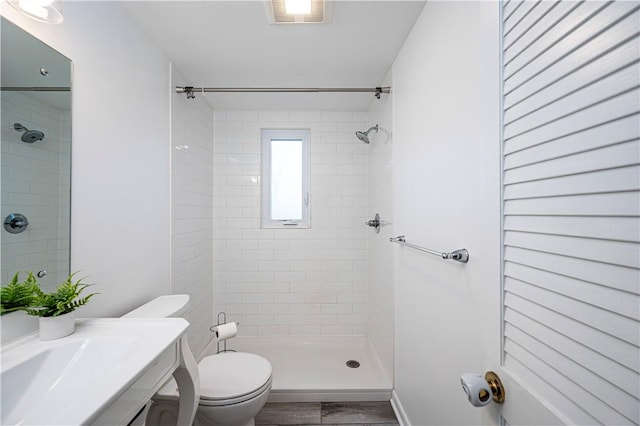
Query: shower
x=29, y=136
x=364, y=136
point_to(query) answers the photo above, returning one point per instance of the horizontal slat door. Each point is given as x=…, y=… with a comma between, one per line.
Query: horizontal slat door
x=571, y=205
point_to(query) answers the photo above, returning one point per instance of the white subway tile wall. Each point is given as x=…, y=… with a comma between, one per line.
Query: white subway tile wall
x=36, y=183
x=292, y=281
x=192, y=212
x=381, y=252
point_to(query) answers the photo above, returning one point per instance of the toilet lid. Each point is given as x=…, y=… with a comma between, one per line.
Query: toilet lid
x=232, y=374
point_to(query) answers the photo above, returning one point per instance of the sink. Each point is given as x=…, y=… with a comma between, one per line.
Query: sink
x=73, y=379
x=32, y=377
x=49, y=377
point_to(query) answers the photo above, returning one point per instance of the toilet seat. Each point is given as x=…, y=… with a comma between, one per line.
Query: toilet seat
x=227, y=378
x=205, y=402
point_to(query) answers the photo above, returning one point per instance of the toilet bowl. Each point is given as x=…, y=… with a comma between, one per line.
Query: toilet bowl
x=234, y=386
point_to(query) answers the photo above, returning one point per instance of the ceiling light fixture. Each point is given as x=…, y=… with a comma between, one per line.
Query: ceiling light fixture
x=297, y=7
x=297, y=11
x=39, y=10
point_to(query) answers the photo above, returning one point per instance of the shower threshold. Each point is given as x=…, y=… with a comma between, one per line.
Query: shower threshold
x=314, y=369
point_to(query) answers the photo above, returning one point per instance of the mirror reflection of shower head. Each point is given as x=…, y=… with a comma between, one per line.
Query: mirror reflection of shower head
x=364, y=136
x=29, y=136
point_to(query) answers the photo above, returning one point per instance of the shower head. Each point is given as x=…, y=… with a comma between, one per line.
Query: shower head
x=29, y=136
x=364, y=136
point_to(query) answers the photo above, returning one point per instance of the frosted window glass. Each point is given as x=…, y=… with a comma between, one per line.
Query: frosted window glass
x=286, y=179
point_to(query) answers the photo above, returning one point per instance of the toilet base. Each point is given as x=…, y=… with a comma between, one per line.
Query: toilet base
x=233, y=420
x=203, y=421
x=164, y=412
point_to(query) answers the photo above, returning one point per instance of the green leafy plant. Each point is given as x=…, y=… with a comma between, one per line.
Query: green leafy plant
x=65, y=299
x=19, y=295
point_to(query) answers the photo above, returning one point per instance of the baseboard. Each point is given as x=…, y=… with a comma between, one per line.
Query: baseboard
x=328, y=395
x=397, y=408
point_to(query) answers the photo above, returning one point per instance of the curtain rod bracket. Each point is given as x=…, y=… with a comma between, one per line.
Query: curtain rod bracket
x=188, y=90
x=378, y=92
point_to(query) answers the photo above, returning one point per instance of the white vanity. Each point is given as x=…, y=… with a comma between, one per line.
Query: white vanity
x=103, y=374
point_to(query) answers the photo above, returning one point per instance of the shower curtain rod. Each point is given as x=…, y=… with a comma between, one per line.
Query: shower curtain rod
x=191, y=91
x=35, y=89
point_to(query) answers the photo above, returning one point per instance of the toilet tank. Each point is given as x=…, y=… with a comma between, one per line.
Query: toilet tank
x=172, y=305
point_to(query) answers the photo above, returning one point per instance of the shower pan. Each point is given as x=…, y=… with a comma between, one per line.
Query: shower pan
x=319, y=368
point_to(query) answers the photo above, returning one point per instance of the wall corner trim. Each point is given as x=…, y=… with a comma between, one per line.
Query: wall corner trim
x=397, y=408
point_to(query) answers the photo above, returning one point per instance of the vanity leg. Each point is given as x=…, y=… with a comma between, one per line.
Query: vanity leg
x=188, y=381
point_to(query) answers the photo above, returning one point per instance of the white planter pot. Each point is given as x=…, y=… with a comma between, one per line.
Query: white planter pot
x=16, y=324
x=56, y=327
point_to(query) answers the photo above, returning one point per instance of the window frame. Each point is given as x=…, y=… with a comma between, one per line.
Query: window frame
x=268, y=135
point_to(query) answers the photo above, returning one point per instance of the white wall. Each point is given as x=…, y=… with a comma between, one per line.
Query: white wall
x=292, y=281
x=446, y=196
x=192, y=210
x=381, y=251
x=120, y=179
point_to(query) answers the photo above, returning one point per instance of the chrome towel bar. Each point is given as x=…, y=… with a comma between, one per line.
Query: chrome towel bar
x=461, y=255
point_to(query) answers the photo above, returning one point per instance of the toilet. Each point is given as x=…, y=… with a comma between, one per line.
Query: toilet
x=234, y=386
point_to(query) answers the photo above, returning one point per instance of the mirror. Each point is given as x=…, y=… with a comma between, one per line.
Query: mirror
x=36, y=158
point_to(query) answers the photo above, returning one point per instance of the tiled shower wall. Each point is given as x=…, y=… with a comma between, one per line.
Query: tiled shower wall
x=192, y=211
x=292, y=281
x=381, y=251
x=36, y=183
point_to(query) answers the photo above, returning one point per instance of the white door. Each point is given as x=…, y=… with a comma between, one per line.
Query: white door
x=570, y=331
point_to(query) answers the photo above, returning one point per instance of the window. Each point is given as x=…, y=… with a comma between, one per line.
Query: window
x=285, y=178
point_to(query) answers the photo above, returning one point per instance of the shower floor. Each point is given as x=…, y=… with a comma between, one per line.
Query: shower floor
x=313, y=369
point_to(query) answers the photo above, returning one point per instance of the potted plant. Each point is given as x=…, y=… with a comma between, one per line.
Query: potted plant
x=18, y=295
x=14, y=297
x=56, y=310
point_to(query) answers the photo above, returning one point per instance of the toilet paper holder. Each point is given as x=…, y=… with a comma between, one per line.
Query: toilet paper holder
x=482, y=390
x=222, y=319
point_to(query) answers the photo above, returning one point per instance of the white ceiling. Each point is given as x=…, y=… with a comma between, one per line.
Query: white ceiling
x=231, y=44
